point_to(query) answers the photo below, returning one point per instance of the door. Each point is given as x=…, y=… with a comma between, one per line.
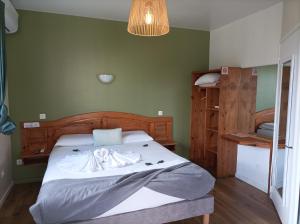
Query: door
x=286, y=156
x=281, y=138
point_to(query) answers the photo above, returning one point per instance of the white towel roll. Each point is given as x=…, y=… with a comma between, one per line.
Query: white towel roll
x=113, y=159
x=91, y=165
x=102, y=154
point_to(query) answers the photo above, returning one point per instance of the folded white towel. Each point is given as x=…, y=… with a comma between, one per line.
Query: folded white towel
x=92, y=164
x=102, y=154
x=129, y=158
x=113, y=159
x=115, y=162
x=80, y=162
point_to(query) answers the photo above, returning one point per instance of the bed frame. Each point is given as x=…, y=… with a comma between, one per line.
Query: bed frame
x=162, y=214
x=264, y=116
x=38, y=139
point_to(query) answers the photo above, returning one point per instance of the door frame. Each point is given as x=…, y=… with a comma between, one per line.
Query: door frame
x=288, y=207
x=294, y=175
x=280, y=202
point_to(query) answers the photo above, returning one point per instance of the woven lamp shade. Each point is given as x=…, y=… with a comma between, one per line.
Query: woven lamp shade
x=148, y=18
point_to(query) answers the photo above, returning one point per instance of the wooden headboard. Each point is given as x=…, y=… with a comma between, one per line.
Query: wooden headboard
x=40, y=140
x=264, y=116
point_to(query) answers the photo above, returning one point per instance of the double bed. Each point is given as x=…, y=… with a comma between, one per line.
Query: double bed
x=172, y=188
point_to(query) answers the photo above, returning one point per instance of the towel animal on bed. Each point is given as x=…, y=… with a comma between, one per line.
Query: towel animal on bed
x=114, y=159
x=98, y=159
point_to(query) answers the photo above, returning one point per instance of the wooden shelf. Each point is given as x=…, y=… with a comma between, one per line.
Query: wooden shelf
x=212, y=130
x=213, y=109
x=35, y=158
x=209, y=87
x=208, y=124
x=213, y=150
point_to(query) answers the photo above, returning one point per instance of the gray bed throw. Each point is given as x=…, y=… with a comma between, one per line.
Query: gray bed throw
x=63, y=201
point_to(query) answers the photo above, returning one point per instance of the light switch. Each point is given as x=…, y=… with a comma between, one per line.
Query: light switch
x=160, y=113
x=42, y=116
x=19, y=162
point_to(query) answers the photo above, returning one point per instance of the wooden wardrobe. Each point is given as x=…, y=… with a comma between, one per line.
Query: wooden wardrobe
x=226, y=108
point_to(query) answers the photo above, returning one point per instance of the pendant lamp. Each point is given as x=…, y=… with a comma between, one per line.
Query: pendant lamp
x=148, y=18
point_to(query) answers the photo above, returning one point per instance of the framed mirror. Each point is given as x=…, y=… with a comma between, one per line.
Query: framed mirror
x=282, y=127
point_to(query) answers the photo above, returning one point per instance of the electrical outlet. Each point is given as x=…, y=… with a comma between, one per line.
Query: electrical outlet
x=19, y=162
x=160, y=113
x=43, y=116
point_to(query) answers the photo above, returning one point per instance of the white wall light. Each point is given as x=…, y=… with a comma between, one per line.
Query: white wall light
x=105, y=78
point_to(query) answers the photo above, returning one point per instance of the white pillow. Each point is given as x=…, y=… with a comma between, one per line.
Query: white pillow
x=75, y=140
x=103, y=137
x=208, y=79
x=135, y=136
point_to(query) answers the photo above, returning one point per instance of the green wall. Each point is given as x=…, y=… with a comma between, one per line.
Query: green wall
x=53, y=61
x=266, y=87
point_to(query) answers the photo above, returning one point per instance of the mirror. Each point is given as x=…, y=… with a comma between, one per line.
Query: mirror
x=284, y=99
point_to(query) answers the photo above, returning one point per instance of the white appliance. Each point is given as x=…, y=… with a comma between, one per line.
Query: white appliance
x=253, y=166
x=11, y=17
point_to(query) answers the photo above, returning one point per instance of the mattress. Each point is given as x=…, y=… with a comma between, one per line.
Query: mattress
x=265, y=133
x=266, y=130
x=269, y=126
x=144, y=198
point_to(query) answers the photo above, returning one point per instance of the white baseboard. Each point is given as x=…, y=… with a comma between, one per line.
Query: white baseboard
x=2, y=200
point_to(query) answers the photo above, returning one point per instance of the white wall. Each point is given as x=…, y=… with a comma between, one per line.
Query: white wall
x=248, y=42
x=291, y=16
x=5, y=166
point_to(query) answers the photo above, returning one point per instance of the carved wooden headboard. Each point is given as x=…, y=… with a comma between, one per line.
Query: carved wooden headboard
x=40, y=140
x=264, y=116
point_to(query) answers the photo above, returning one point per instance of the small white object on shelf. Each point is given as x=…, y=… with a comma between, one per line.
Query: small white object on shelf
x=208, y=80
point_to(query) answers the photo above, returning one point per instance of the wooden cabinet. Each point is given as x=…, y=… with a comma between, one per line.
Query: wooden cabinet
x=226, y=108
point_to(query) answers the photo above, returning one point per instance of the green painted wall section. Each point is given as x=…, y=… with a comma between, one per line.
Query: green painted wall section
x=53, y=61
x=266, y=87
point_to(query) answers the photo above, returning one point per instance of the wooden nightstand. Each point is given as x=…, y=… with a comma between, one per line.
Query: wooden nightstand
x=171, y=145
x=35, y=158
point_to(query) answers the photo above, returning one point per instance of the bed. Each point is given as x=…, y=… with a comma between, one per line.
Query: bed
x=145, y=205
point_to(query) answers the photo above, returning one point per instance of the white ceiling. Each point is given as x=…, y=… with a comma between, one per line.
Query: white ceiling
x=195, y=14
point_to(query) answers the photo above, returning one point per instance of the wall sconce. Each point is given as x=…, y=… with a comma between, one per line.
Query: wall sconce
x=105, y=78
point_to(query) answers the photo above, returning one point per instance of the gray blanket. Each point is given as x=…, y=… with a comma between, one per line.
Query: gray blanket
x=62, y=201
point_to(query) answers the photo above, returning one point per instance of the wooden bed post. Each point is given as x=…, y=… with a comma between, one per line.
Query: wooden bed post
x=205, y=219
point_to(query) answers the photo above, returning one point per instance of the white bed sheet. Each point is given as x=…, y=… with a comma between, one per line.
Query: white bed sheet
x=142, y=199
